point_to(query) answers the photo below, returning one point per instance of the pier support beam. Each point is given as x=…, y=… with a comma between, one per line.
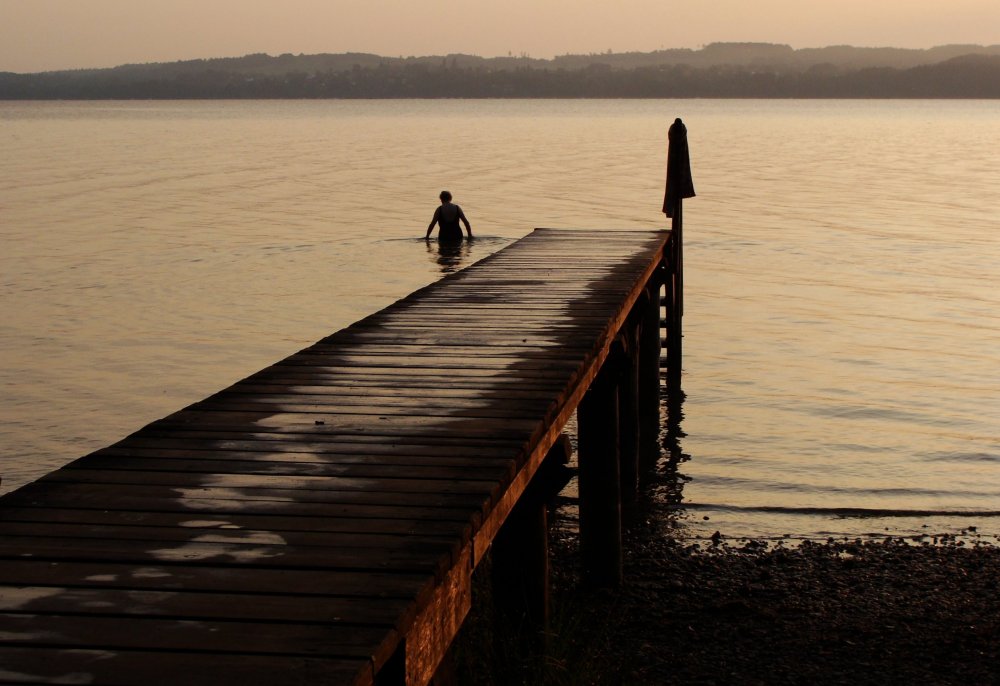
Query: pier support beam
x=675, y=310
x=628, y=410
x=520, y=554
x=600, y=492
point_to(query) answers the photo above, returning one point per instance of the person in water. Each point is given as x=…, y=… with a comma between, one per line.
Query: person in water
x=447, y=216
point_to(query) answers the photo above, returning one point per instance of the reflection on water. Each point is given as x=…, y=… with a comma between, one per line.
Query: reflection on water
x=450, y=256
x=671, y=481
x=684, y=517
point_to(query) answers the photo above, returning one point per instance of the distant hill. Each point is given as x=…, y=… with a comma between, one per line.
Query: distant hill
x=778, y=57
x=716, y=70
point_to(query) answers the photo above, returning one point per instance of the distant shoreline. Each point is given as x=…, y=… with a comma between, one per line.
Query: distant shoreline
x=723, y=70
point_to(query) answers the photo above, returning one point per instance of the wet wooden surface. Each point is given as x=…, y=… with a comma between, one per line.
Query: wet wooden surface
x=297, y=526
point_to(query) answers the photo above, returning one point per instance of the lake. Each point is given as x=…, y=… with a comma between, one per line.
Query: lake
x=842, y=335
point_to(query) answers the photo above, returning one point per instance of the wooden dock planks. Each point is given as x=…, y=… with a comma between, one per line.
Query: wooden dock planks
x=319, y=520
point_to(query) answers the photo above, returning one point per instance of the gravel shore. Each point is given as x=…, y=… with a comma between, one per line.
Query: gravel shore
x=887, y=611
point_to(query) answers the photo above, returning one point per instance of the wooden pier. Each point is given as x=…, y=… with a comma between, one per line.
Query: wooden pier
x=320, y=520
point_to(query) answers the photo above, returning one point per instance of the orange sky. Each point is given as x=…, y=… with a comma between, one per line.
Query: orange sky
x=37, y=35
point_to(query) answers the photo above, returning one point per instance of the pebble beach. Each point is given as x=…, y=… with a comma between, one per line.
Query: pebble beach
x=876, y=611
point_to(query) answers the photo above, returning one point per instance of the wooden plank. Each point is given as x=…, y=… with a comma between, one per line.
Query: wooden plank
x=384, y=503
x=457, y=325
x=220, y=535
x=320, y=442
x=245, y=425
x=353, y=400
x=292, y=405
x=430, y=336
x=471, y=353
x=501, y=331
x=375, y=454
x=57, y=665
x=429, y=446
x=460, y=314
x=195, y=605
x=308, y=487
x=498, y=388
x=553, y=364
x=236, y=520
x=214, y=577
x=384, y=392
x=454, y=313
x=444, y=365
x=302, y=423
x=360, y=470
x=401, y=355
x=359, y=506
x=428, y=560
x=152, y=633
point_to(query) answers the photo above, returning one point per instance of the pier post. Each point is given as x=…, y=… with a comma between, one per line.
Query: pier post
x=628, y=410
x=520, y=555
x=675, y=305
x=600, y=492
x=520, y=575
x=679, y=186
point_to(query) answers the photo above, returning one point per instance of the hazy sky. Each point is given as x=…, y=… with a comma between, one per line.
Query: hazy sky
x=37, y=35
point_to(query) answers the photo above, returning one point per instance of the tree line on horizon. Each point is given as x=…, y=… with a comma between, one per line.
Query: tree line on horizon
x=721, y=70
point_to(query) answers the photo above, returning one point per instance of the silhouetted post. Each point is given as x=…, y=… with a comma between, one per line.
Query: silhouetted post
x=628, y=410
x=520, y=555
x=679, y=186
x=600, y=494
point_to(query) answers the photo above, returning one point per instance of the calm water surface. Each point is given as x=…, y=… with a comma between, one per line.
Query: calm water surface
x=842, y=330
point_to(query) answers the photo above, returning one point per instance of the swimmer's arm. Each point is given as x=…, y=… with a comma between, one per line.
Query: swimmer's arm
x=468, y=227
x=434, y=220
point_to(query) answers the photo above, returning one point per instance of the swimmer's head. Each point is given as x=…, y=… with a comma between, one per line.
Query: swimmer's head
x=445, y=196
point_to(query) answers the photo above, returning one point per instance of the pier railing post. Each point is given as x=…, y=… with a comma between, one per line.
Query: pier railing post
x=675, y=307
x=600, y=492
x=679, y=186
